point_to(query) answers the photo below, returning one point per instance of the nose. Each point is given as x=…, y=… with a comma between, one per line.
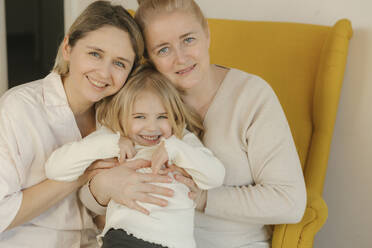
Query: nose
x=180, y=54
x=151, y=125
x=104, y=69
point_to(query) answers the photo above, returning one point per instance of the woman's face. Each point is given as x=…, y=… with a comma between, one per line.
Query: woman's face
x=149, y=120
x=99, y=64
x=178, y=46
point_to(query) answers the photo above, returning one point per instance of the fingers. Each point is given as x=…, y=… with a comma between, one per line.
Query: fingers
x=192, y=195
x=151, y=178
x=129, y=153
x=147, y=198
x=138, y=164
x=187, y=181
x=174, y=167
x=103, y=164
x=156, y=165
x=139, y=208
x=154, y=189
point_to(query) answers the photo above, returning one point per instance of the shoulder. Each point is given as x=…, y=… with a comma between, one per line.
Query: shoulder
x=21, y=95
x=247, y=82
x=243, y=88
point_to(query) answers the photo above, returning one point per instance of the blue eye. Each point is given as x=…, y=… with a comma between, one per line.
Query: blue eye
x=188, y=40
x=95, y=54
x=120, y=64
x=162, y=117
x=139, y=117
x=163, y=51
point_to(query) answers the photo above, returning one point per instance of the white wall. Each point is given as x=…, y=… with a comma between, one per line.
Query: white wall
x=348, y=188
x=3, y=53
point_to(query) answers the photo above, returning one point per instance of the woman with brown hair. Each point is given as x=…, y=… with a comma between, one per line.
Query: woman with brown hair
x=94, y=60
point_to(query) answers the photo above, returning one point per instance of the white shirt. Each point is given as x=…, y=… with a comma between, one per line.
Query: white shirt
x=171, y=226
x=35, y=119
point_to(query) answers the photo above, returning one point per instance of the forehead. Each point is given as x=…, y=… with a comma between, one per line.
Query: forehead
x=148, y=102
x=110, y=39
x=164, y=25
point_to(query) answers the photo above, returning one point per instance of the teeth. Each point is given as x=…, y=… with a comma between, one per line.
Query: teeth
x=98, y=84
x=185, y=70
x=150, y=137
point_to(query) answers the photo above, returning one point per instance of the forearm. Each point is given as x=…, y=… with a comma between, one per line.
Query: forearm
x=205, y=169
x=40, y=197
x=70, y=161
x=262, y=204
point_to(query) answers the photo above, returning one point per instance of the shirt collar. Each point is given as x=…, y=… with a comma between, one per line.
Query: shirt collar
x=53, y=91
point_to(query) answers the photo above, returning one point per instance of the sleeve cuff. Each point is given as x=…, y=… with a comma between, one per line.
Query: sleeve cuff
x=89, y=201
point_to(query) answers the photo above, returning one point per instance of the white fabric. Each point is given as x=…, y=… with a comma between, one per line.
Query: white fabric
x=35, y=119
x=170, y=226
x=247, y=130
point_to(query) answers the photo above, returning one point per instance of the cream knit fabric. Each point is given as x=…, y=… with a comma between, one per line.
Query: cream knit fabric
x=170, y=226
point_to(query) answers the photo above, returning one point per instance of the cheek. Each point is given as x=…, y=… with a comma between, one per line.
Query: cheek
x=120, y=78
x=167, y=129
x=163, y=65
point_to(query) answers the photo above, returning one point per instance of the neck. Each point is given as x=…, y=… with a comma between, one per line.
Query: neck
x=201, y=96
x=84, y=111
x=78, y=105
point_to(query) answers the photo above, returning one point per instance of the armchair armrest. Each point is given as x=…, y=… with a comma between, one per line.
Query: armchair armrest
x=302, y=234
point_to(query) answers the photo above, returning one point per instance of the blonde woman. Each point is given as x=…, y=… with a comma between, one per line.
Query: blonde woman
x=245, y=127
x=95, y=58
x=149, y=111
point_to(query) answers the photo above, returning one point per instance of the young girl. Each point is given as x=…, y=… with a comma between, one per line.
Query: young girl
x=149, y=111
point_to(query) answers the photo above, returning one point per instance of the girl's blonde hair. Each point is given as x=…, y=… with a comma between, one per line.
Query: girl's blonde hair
x=115, y=111
x=147, y=9
x=95, y=16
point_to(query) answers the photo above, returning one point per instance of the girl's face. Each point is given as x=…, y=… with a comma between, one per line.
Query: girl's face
x=99, y=64
x=178, y=46
x=149, y=120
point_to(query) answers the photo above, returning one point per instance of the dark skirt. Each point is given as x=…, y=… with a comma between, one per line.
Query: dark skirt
x=118, y=238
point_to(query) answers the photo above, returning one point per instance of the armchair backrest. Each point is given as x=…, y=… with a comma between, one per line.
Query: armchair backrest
x=304, y=64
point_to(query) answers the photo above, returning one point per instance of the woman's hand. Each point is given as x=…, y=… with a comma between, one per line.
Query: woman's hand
x=127, y=150
x=159, y=158
x=96, y=167
x=126, y=186
x=196, y=194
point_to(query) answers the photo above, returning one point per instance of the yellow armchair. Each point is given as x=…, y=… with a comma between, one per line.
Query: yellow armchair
x=305, y=66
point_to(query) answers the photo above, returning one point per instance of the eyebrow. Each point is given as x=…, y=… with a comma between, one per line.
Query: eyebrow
x=119, y=58
x=164, y=43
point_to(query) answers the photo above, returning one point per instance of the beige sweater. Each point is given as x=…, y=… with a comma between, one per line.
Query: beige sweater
x=248, y=131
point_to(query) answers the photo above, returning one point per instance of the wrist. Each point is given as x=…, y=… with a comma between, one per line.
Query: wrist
x=96, y=187
x=201, y=201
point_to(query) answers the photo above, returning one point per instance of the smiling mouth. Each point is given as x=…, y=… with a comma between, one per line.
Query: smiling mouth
x=150, y=137
x=187, y=70
x=97, y=84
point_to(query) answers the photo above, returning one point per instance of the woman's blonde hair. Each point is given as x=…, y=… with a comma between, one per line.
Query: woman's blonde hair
x=95, y=16
x=115, y=111
x=147, y=9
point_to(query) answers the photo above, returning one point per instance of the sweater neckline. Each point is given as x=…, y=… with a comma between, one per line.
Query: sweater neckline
x=218, y=93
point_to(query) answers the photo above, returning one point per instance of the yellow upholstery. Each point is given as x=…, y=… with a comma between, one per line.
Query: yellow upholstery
x=305, y=66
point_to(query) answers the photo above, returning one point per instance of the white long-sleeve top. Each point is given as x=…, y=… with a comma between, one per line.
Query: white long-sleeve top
x=170, y=226
x=247, y=130
x=35, y=119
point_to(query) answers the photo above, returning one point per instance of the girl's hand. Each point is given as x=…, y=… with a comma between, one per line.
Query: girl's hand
x=159, y=158
x=127, y=150
x=126, y=186
x=196, y=194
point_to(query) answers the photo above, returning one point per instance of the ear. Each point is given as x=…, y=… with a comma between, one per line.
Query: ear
x=66, y=49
